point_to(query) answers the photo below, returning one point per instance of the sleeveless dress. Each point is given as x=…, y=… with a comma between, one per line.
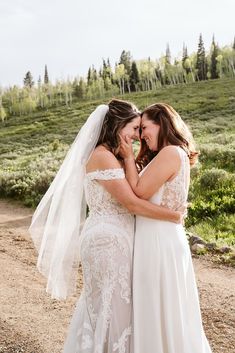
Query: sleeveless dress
x=101, y=322
x=166, y=312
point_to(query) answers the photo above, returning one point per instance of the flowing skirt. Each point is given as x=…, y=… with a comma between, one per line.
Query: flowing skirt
x=101, y=322
x=166, y=312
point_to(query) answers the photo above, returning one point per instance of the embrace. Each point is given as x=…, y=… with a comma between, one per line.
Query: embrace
x=139, y=293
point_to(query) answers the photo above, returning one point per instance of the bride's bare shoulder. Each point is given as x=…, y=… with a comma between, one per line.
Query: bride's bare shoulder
x=102, y=158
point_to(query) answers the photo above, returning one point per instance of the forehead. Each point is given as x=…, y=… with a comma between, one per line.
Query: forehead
x=145, y=120
x=136, y=120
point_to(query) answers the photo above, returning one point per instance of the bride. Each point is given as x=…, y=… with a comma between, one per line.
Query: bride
x=166, y=313
x=102, y=319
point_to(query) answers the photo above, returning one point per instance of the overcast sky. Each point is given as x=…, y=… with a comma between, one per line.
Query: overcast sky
x=71, y=35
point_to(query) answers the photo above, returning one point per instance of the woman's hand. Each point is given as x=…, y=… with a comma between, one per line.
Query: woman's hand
x=125, y=148
x=182, y=213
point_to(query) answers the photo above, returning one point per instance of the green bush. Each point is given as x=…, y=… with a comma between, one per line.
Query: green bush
x=218, y=156
x=211, y=193
x=214, y=178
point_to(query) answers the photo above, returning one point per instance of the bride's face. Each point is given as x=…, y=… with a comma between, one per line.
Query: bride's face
x=149, y=132
x=132, y=129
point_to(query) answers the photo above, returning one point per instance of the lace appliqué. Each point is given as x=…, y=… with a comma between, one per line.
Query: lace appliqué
x=124, y=272
x=175, y=191
x=99, y=201
x=120, y=346
x=106, y=174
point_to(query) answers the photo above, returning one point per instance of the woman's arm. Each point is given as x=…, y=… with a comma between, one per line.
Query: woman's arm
x=162, y=168
x=122, y=192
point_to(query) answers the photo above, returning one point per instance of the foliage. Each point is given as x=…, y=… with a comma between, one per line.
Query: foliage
x=28, y=80
x=33, y=145
x=127, y=76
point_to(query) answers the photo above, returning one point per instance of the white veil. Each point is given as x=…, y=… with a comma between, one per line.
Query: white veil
x=58, y=219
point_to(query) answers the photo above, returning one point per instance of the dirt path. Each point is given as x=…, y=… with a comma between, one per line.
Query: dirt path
x=31, y=322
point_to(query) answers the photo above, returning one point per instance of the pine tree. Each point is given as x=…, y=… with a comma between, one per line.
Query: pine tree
x=39, y=81
x=168, y=54
x=201, y=64
x=234, y=43
x=104, y=70
x=109, y=71
x=213, y=64
x=94, y=73
x=184, y=58
x=89, y=78
x=80, y=89
x=28, y=80
x=134, y=77
x=125, y=59
x=46, y=77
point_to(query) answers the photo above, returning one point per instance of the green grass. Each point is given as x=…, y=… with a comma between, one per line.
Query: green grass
x=33, y=146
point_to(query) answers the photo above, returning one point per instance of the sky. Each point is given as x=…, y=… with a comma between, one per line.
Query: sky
x=71, y=35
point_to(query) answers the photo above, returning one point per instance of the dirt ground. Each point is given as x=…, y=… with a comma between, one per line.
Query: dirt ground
x=31, y=322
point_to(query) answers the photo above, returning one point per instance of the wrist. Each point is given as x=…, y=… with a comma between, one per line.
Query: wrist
x=129, y=158
x=177, y=217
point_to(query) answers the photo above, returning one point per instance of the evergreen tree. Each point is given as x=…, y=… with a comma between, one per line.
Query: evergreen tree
x=125, y=59
x=46, y=77
x=201, y=64
x=91, y=75
x=104, y=70
x=28, y=80
x=185, y=53
x=109, y=71
x=80, y=89
x=134, y=77
x=213, y=63
x=89, y=78
x=168, y=54
x=234, y=43
x=184, y=59
x=94, y=73
x=39, y=81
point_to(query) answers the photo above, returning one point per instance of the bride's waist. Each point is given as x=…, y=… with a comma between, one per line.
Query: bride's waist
x=110, y=217
x=104, y=214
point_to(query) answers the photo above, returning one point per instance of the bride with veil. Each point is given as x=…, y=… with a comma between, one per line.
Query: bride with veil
x=92, y=174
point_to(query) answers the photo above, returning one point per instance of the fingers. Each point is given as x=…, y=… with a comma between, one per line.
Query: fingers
x=128, y=139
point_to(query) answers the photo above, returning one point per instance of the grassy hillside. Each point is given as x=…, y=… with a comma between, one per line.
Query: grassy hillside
x=32, y=147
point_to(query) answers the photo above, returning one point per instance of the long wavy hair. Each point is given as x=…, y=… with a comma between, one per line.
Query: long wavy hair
x=173, y=131
x=120, y=113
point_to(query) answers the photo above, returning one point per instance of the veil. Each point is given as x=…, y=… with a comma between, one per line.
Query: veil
x=58, y=219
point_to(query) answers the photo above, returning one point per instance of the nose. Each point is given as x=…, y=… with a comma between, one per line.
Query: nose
x=136, y=135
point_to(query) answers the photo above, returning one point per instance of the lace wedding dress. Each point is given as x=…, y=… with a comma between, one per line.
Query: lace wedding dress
x=166, y=312
x=102, y=319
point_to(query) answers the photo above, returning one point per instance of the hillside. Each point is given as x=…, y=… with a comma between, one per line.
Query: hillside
x=33, y=146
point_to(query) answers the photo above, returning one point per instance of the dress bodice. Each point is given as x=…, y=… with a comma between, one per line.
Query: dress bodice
x=174, y=193
x=100, y=201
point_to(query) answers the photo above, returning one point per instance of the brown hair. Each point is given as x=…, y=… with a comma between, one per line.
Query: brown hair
x=120, y=113
x=172, y=131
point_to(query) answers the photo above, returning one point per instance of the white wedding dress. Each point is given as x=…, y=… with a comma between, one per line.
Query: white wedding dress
x=102, y=319
x=166, y=312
